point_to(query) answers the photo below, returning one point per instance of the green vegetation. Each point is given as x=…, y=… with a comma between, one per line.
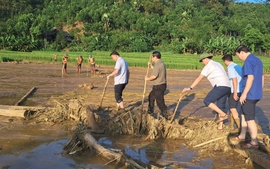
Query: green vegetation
x=177, y=26
x=134, y=59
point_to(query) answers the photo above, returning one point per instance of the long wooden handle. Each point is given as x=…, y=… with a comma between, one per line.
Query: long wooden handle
x=180, y=98
x=145, y=82
x=103, y=93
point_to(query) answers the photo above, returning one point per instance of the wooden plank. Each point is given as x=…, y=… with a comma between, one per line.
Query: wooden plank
x=22, y=108
x=25, y=96
x=12, y=113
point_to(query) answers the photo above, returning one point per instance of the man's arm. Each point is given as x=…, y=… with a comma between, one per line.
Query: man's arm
x=150, y=78
x=235, y=84
x=250, y=79
x=113, y=73
x=195, y=83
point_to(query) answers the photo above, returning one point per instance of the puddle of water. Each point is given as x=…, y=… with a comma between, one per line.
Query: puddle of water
x=49, y=155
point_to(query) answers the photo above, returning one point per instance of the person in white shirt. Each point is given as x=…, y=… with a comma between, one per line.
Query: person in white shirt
x=121, y=78
x=217, y=76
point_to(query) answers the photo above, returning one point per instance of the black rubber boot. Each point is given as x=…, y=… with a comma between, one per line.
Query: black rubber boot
x=164, y=114
x=150, y=110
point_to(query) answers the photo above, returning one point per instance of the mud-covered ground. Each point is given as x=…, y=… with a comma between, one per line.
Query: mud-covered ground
x=19, y=135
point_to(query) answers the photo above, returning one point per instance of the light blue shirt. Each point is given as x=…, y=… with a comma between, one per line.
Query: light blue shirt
x=122, y=76
x=235, y=71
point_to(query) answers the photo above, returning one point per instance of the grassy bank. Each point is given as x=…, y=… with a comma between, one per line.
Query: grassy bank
x=173, y=61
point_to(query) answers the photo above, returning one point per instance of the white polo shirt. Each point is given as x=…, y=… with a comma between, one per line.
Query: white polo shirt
x=121, y=77
x=216, y=74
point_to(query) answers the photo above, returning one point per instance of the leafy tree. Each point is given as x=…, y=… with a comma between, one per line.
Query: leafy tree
x=253, y=38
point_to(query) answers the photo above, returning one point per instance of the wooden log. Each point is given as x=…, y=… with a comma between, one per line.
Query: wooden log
x=25, y=96
x=31, y=108
x=112, y=156
x=256, y=156
x=259, y=156
x=18, y=111
x=12, y=113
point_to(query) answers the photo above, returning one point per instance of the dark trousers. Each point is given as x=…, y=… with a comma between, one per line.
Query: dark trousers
x=118, y=91
x=218, y=94
x=157, y=94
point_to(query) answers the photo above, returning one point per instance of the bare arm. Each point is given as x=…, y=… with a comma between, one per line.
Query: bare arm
x=150, y=78
x=235, y=82
x=195, y=83
x=249, y=83
x=113, y=73
x=262, y=81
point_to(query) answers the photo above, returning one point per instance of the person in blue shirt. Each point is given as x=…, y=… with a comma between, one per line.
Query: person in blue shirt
x=235, y=78
x=121, y=78
x=252, y=83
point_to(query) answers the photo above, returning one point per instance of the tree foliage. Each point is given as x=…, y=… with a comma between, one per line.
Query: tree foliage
x=179, y=26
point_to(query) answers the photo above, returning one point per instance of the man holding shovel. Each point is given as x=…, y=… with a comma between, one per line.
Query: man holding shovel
x=159, y=80
x=121, y=77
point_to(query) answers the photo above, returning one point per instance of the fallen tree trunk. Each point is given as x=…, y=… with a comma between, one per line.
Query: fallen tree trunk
x=31, y=108
x=12, y=113
x=18, y=111
x=256, y=156
x=118, y=157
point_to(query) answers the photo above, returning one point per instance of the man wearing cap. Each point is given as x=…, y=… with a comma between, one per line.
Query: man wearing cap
x=217, y=76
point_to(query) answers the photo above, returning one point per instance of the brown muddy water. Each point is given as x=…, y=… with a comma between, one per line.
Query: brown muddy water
x=25, y=145
x=48, y=155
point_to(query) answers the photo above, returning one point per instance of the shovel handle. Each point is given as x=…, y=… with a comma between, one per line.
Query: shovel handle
x=179, y=100
x=103, y=93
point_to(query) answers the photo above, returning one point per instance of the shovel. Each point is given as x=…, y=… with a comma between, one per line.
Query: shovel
x=144, y=89
x=103, y=93
x=179, y=100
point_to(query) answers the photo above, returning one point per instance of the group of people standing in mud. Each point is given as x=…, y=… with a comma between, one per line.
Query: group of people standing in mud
x=242, y=85
x=91, y=62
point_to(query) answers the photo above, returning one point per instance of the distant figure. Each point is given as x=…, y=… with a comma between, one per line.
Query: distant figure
x=64, y=65
x=55, y=58
x=79, y=64
x=92, y=63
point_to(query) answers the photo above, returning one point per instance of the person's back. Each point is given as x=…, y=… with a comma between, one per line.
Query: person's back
x=216, y=74
x=80, y=60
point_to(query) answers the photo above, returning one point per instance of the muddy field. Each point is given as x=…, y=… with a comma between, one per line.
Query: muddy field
x=20, y=135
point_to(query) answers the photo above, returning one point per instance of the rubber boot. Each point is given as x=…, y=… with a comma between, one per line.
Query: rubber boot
x=238, y=129
x=164, y=114
x=231, y=122
x=117, y=107
x=150, y=110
